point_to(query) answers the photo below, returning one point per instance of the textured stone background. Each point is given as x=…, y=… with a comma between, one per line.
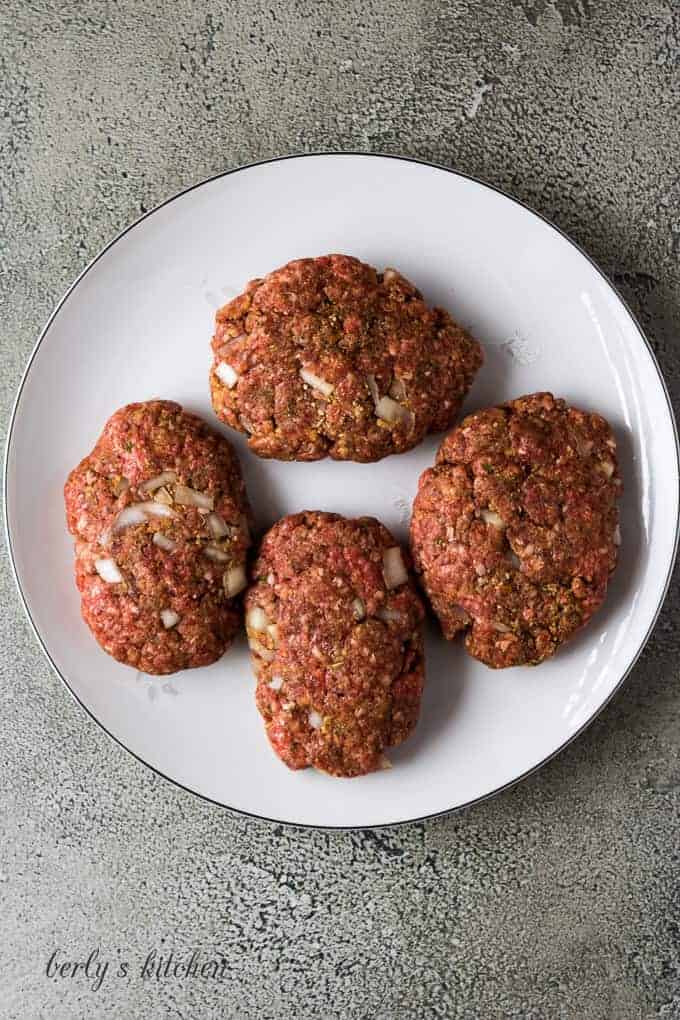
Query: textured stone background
x=560, y=898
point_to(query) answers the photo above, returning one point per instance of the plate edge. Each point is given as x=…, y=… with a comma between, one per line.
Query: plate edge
x=378, y=156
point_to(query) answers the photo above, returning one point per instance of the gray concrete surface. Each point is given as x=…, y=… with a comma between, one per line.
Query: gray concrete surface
x=559, y=899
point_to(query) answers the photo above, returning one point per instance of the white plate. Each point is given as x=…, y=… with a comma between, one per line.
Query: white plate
x=137, y=324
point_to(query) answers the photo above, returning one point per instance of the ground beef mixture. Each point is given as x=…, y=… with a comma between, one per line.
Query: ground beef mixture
x=515, y=529
x=326, y=357
x=334, y=626
x=162, y=526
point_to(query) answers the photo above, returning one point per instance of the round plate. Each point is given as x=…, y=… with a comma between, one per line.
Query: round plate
x=137, y=325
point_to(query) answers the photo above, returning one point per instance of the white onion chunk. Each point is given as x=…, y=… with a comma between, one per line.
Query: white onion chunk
x=259, y=649
x=189, y=497
x=226, y=374
x=163, y=542
x=256, y=619
x=215, y=554
x=155, y=483
x=394, y=571
x=108, y=571
x=391, y=411
x=128, y=517
x=218, y=526
x=373, y=389
x=492, y=518
x=155, y=509
x=316, y=382
x=234, y=581
x=170, y=618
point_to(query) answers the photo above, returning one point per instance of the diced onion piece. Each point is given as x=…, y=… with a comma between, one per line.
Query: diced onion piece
x=215, y=554
x=501, y=627
x=391, y=411
x=397, y=389
x=607, y=468
x=218, y=526
x=155, y=509
x=276, y=683
x=373, y=388
x=617, y=535
x=108, y=571
x=105, y=537
x=138, y=513
x=163, y=542
x=388, y=615
x=189, y=497
x=394, y=571
x=359, y=609
x=256, y=619
x=234, y=581
x=315, y=720
x=513, y=559
x=226, y=374
x=273, y=632
x=155, y=483
x=492, y=518
x=162, y=496
x=259, y=649
x=316, y=382
x=169, y=618
x=390, y=274
x=385, y=763
x=129, y=516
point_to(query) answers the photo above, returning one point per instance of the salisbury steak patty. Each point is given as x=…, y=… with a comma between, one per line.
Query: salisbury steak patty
x=334, y=625
x=161, y=521
x=515, y=528
x=327, y=357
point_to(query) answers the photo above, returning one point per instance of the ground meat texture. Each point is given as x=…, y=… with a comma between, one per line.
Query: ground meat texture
x=334, y=625
x=162, y=527
x=326, y=357
x=515, y=529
